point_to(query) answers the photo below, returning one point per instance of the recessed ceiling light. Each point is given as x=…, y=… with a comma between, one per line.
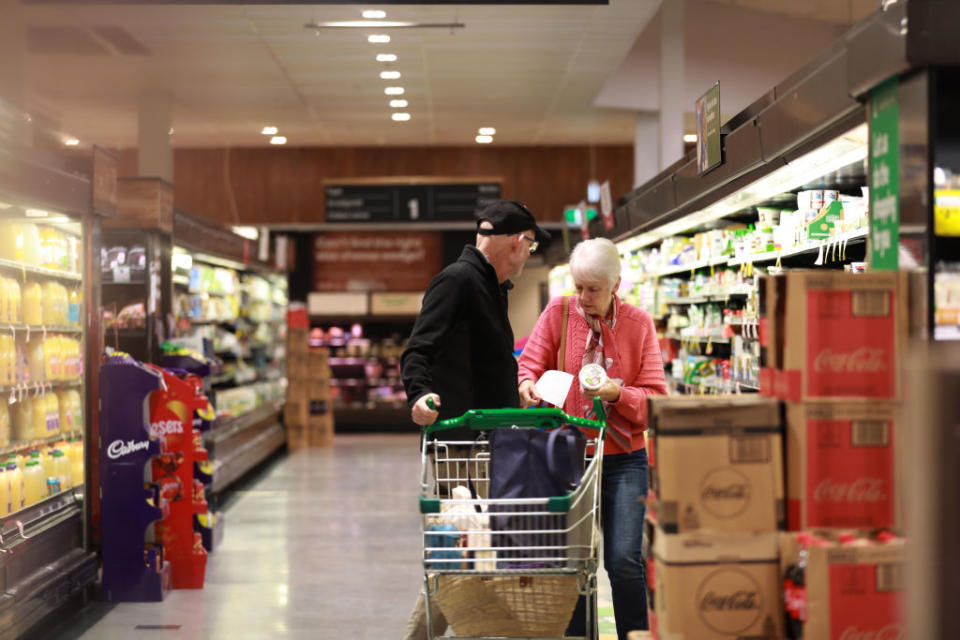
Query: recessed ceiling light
x=393, y=91
x=689, y=137
x=484, y=139
x=269, y=131
x=278, y=140
x=487, y=131
x=390, y=75
x=386, y=57
x=398, y=104
x=374, y=14
x=381, y=38
x=400, y=116
x=71, y=142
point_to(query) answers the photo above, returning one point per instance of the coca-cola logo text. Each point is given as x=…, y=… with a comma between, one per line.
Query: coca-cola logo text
x=119, y=448
x=860, y=490
x=893, y=631
x=725, y=492
x=863, y=360
x=729, y=601
x=736, y=601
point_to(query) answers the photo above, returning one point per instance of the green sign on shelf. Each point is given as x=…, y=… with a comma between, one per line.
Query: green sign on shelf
x=884, y=176
x=572, y=217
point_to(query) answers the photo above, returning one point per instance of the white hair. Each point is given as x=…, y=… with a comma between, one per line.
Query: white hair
x=596, y=258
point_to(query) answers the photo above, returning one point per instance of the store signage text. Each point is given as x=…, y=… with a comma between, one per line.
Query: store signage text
x=884, y=177
x=399, y=202
x=119, y=448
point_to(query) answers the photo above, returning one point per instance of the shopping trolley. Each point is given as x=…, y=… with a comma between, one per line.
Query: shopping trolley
x=485, y=583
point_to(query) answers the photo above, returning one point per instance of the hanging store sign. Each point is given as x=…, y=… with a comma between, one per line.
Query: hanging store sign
x=377, y=201
x=708, y=130
x=366, y=261
x=884, y=176
x=606, y=206
x=584, y=220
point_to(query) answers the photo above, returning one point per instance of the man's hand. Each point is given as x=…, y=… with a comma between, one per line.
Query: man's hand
x=421, y=413
x=609, y=392
x=529, y=396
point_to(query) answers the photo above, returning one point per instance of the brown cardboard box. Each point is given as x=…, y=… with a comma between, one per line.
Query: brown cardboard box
x=852, y=592
x=835, y=335
x=321, y=429
x=298, y=438
x=298, y=366
x=716, y=463
x=296, y=413
x=298, y=341
x=707, y=586
x=841, y=465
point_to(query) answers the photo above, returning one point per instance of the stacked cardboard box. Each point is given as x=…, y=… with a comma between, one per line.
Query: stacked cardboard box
x=716, y=507
x=308, y=414
x=833, y=345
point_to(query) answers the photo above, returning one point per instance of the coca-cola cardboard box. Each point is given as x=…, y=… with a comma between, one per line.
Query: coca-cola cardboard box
x=841, y=469
x=723, y=586
x=835, y=335
x=852, y=591
x=716, y=463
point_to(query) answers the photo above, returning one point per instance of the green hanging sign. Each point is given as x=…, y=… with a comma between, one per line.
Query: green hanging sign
x=884, y=176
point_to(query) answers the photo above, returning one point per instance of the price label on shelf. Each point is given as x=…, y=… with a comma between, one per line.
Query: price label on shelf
x=121, y=274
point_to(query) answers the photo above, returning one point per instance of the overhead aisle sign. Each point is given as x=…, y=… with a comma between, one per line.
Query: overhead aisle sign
x=708, y=130
x=381, y=201
x=884, y=176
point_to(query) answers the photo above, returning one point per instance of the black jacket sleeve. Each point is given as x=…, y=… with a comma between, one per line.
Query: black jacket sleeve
x=438, y=314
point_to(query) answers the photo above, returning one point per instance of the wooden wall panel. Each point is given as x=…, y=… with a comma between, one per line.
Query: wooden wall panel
x=283, y=186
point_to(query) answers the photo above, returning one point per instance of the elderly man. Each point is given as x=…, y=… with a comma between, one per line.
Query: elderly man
x=460, y=353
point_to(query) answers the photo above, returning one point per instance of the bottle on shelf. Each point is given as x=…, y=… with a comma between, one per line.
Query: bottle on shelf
x=73, y=306
x=14, y=312
x=34, y=483
x=52, y=408
x=32, y=303
x=8, y=359
x=4, y=492
x=4, y=424
x=15, y=480
x=23, y=420
x=61, y=469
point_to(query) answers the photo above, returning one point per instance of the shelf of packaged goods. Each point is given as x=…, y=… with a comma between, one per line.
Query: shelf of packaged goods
x=741, y=322
x=748, y=386
x=12, y=266
x=712, y=298
x=183, y=281
x=39, y=329
x=25, y=445
x=692, y=266
x=814, y=246
x=675, y=336
x=38, y=387
x=946, y=332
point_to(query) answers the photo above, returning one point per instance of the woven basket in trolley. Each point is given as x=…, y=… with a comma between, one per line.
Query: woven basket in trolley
x=509, y=606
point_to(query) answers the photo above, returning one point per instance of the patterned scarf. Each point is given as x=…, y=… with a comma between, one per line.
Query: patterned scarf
x=600, y=349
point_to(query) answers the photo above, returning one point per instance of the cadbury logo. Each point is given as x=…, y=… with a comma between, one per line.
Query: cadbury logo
x=860, y=490
x=863, y=360
x=736, y=601
x=118, y=448
x=893, y=631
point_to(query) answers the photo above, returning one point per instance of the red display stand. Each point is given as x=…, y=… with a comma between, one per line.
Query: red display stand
x=171, y=420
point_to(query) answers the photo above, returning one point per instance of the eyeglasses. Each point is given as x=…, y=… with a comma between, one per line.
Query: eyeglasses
x=533, y=243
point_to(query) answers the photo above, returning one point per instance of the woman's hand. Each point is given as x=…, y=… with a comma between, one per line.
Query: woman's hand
x=609, y=392
x=529, y=396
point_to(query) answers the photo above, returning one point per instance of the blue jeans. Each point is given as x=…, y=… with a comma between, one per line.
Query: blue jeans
x=623, y=497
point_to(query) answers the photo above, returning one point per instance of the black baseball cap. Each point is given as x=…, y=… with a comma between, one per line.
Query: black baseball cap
x=509, y=217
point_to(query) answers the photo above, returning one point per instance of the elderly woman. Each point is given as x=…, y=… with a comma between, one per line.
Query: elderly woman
x=622, y=339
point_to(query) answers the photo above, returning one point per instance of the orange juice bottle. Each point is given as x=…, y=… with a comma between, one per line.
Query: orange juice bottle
x=36, y=361
x=31, y=245
x=49, y=310
x=38, y=419
x=5, y=300
x=53, y=358
x=61, y=469
x=15, y=480
x=23, y=420
x=8, y=360
x=13, y=300
x=52, y=407
x=31, y=306
x=4, y=424
x=34, y=483
x=4, y=492
x=76, y=468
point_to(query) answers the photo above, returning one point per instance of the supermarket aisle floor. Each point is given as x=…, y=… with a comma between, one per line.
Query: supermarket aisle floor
x=325, y=545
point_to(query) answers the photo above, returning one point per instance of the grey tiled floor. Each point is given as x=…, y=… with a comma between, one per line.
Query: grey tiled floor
x=326, y=545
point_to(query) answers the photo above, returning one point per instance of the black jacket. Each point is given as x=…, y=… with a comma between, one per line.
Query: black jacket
x=461, y=347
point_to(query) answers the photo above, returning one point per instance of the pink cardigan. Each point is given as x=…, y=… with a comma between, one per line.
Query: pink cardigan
x=640, y=363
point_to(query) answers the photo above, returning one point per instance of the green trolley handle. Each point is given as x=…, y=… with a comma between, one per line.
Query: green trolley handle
x=485, y=419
